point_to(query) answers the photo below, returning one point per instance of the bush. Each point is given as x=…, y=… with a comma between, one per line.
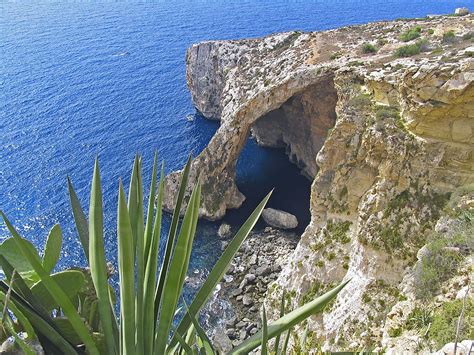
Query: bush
x=430, y=31
x=411, y=49
x=419, y=319
x=360, y=101
x=444, y=255
x=445, y=319
x=467, y=36
x=368, y=48
x=411, y=34
x=463, y=193
x=385, y=112
x=449, y=37
x=407, y=51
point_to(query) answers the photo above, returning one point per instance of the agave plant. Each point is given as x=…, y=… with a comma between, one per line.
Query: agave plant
x=73, y=311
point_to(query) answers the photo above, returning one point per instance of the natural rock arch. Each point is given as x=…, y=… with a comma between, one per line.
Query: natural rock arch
x=296, y=113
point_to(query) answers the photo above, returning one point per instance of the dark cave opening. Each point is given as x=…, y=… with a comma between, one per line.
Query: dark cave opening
x=281, y=153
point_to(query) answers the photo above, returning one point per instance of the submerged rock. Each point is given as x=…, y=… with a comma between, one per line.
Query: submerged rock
x=224, y=231
x=279, y=219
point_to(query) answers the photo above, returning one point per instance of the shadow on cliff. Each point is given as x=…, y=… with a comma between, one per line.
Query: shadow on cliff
x=260, y=169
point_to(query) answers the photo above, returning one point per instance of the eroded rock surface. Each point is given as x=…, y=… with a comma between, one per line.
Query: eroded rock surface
x=286, y=88
x=385, y=140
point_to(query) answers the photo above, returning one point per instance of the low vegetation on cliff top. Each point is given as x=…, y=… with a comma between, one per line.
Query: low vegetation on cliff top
x=411, y=34
x=412, y=49
x=368, y=48
x=73, y=311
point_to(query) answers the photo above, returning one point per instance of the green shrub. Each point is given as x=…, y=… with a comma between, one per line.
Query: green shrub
x=441, y=263
x=467, y=36
x=410, y=34
x=355, y=63
x=464, y=192
x=386, y=112
x=445, y=319
x=394, y=332
x=338, y=231
x=419, y=319
x=449, y=37
x=360, y=101
x=335, y=55
x=430, y=31
x=411, y=49
x=368, y=48
x=407, y=51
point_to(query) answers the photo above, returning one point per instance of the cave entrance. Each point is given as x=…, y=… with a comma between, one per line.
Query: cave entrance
x=281, y=153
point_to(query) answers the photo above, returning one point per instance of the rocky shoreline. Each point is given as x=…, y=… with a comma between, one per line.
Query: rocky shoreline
x=257, y=264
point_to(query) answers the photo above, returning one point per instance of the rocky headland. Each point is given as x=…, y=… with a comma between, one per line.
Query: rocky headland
x=381, y=118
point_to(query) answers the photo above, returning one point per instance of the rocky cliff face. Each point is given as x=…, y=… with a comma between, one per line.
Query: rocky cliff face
x=385, y=140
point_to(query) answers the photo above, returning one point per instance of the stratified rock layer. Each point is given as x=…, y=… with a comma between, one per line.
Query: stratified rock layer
x=384, y=139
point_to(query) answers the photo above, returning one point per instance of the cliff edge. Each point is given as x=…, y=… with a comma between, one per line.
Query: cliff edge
x=381, y=118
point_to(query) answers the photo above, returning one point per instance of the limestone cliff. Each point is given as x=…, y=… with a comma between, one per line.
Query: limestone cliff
x=385, y=140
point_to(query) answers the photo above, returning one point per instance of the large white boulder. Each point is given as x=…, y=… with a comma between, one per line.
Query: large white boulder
x=279, y=219
x=463, y=348
x=461, y=11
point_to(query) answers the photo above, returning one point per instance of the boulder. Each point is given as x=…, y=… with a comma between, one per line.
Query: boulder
x=222, y=341
x=463, y=348
x=224, y=231
x=247, y=300
x=461, y=11
x=263, y=270
x=279, y=219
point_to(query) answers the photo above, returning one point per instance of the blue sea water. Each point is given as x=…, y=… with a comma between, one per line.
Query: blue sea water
x=80, y=79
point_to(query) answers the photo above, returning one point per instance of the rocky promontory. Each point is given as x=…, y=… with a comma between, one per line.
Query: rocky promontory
x=381, y=118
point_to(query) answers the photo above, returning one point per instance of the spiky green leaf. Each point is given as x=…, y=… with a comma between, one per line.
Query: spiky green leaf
x=264, y=350
x=170, y=242
x=126, y=264
x=97, y=261
x=151, y=271
x=178, y=269
x=52, y=250
x=79, y=218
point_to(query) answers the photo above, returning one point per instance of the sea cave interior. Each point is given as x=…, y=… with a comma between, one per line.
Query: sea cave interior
x=280, y=153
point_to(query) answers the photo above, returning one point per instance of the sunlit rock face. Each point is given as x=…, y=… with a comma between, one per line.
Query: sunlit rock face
x=385, y=140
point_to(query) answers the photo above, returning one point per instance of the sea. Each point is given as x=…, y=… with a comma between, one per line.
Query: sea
x=81, y=79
